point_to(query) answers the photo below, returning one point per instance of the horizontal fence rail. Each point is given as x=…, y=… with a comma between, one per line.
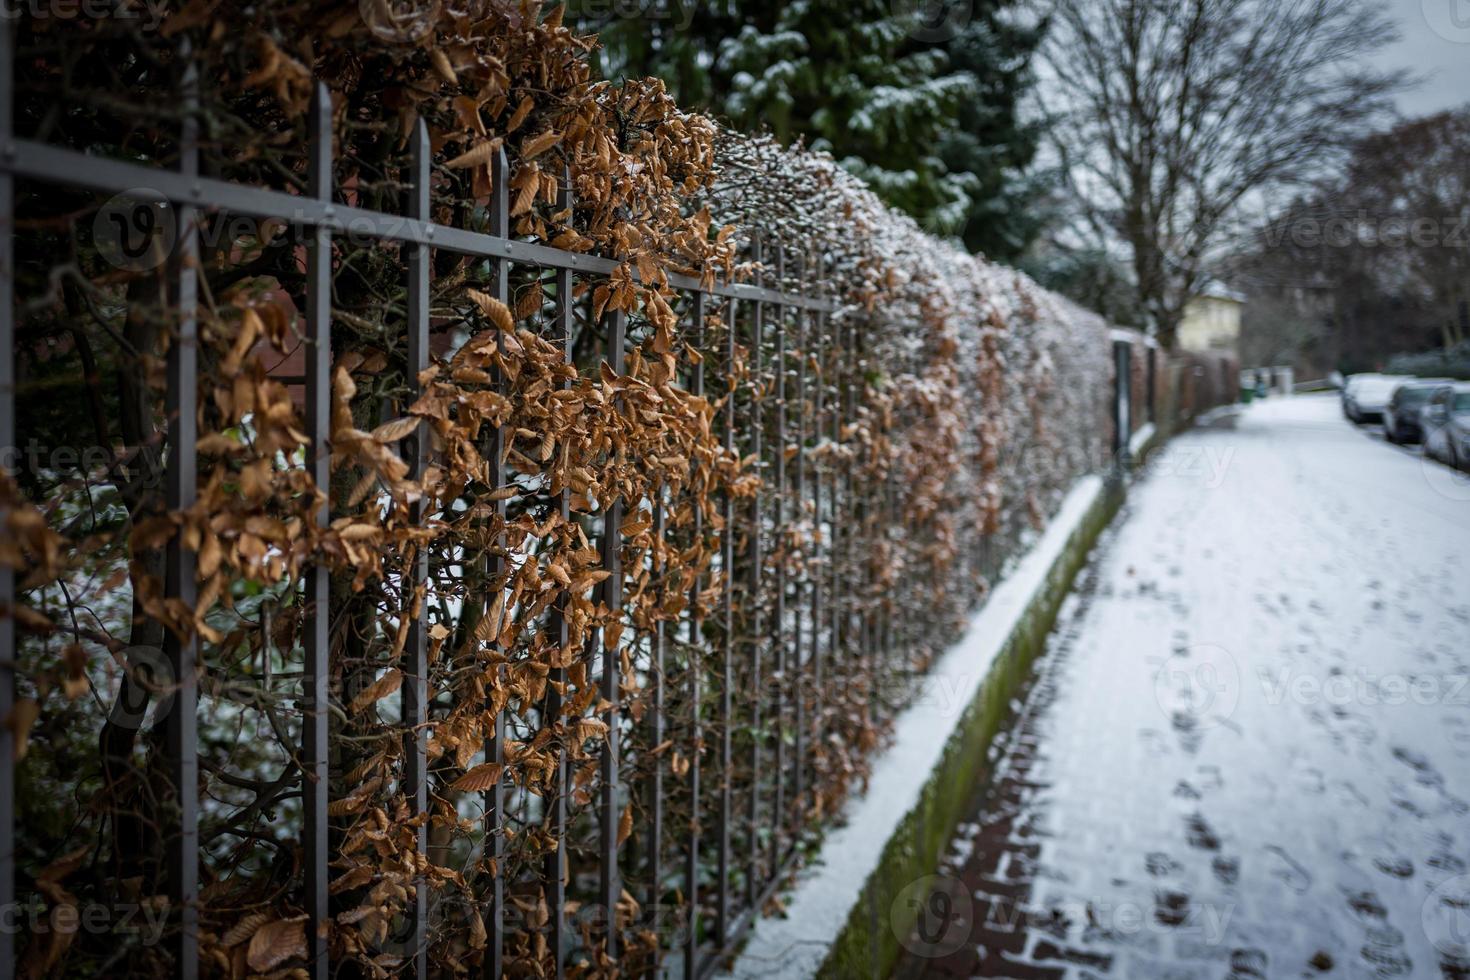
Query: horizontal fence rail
x=25, y=158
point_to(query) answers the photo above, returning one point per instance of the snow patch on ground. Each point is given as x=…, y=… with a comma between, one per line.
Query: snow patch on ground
x=1140, y=439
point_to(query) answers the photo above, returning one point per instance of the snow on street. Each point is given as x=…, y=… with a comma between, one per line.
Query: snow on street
x=1246, y=752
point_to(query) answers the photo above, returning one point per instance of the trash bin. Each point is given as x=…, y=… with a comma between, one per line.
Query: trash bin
x=1247, y=392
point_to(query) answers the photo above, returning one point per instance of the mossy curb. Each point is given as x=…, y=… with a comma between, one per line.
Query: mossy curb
x=868, y=945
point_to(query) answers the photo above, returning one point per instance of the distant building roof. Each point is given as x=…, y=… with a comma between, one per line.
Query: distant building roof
x=1215, y=289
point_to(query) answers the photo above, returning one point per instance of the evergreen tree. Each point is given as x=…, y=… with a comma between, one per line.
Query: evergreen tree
x=990, y=140
x=919, y=97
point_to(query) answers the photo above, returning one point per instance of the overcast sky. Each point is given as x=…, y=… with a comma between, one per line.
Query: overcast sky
x=1436, y=43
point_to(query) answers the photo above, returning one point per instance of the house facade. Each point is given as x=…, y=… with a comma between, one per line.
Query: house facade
x=1212, y=321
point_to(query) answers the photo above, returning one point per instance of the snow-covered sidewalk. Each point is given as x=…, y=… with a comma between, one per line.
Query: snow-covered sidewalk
x=1247, y=751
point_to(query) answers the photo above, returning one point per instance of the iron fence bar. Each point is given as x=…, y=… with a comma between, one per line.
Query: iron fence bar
x=7, y=441
x=609, y=886
x=907, y=632
x=882, y=516
x=900, y=631
x=805, y=600
x=494, y=851
x=181, y=406
x=783, y=557
x=885, y=598
x=753, y=598
x=656, y=828
x=867, y=605
x=879, y=594
x=315, y=727
x=828, y=571
x=556, y=862
x=854, y=586
x=727, y=568
x=862, y=514
x=822, y=526
x=841, y=671
x=53, y=164
x=691, y=873
x=850, y=642
x=415, y=696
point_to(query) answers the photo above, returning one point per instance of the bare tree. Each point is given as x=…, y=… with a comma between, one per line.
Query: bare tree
x=1374, y=261
x=1409, y=190
x=1173, y=115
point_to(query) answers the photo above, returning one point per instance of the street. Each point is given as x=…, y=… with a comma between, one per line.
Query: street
x=1246, y=751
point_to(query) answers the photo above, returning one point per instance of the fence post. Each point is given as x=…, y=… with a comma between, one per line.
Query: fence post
x=821, y=546
x=727, y=679
x=753, y=595
x=805, y=599
x=1153, y=383
x=182, y=651
x=691, y=872
x=315, y=723
x=658, y=711
x=494, y=850
x=556, y=862
x=1122, y=404
x=839, y=655
x=779, y=533
x=609, y=882
x=415, y=692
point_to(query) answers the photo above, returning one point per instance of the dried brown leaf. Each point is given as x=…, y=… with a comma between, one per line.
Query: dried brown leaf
x=478, y=779
x=277, y=943
x=379, y=689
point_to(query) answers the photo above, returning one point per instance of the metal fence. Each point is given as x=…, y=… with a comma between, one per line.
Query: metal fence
x=746, y=812
x=768, y=312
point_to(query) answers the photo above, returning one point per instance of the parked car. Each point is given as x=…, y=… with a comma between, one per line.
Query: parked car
x=1365, y=396
x=1447, y=425
x=1344, y=393
x=1401, y=416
